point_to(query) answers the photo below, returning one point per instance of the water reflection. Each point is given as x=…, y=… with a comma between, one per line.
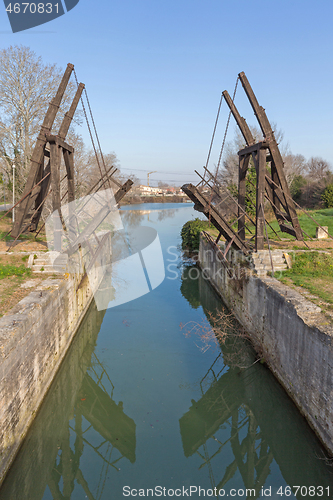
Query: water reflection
x=246, y=415
x=79, y=417
x=190, y=292
x=187, y=418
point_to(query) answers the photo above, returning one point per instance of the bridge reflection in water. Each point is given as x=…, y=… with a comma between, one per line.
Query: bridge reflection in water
x=240, y=415
x=78, y=413
x=241, y=429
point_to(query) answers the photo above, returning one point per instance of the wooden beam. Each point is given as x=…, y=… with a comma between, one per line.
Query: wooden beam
x=278, y=198
x=241, y=122
x=38, y=152
x=42, y=195
x=243, y=167
x=59, y=142
x=260, y=223
x=56, y=201
x=69, y=163
x=99, y=218
x=253, y=148
x=288, y=229
x=203, y=205
x=66, y=122
x=274, y=150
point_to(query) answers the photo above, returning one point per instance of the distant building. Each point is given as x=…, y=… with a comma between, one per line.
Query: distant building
x=149, y=191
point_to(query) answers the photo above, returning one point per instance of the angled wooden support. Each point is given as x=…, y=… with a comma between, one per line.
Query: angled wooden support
x=67, y=120
x=241, y=122
x=243, y=167
x=203, y=205
x=278, y=171
x=93, y=225
x=260, y=221
x=36, y=168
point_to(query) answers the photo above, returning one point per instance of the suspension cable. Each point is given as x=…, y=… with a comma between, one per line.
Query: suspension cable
x=213, y=135
x=227, y=126
x=91, y=136
x=93, y=122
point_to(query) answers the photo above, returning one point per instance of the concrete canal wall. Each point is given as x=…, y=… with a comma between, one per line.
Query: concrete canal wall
x=34, y=338
x=292, y=334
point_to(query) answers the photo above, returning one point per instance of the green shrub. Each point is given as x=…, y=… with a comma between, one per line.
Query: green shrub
x=190, y=233
x=296, y=187
x=327, y=196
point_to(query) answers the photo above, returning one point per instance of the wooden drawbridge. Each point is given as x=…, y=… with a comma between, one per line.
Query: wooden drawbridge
x=271, y=184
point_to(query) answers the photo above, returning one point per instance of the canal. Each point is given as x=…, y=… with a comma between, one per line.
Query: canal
x=147, y=404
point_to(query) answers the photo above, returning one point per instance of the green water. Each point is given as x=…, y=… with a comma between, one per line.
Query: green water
x=140, y=405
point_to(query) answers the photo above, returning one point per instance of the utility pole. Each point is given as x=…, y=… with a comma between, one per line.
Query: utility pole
x=149, y=175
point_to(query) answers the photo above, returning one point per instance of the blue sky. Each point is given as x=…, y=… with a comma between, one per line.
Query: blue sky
x=155, y=69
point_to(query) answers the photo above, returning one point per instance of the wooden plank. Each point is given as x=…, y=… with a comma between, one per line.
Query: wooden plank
x=123, y=190
x=69, y=163
x=99, y=218
x=260, y=168
x=274, y=150
x=253, y=148
x=38, y=152
x=243, y=167
x=42, y=195
x=277, y=198
x=56, y=200
x=288, y=229
x=203, y=205
x=241, y=122
x=54, y=138
x=66, y=122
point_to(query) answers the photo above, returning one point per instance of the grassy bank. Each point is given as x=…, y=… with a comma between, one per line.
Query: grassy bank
x=312, y=271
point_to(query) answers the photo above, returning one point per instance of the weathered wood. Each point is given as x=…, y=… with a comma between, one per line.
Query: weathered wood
x=212, y=214
x=260, y=168
x=69, y=163
x=243, y=167
x=99, y=218
x=56, y=200
x=66, y=122
x=274, y=150
x=253, y=148
x=241, y=122
x=277, y=198
x=42, y=195
x=288, y=229
x=38, y=152
x=54, y=138
x=123, y=190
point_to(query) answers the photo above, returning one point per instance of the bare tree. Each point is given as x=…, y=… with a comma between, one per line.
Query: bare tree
x=229, y=172
x=318, y=169
x=27, y=86
x=294, y=165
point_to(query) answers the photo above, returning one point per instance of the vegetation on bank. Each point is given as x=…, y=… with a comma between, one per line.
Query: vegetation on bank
x=10, y=270
x=191, y=229
x=324, y=217
x=190, y=233
x=314, y=272
x=136, y=200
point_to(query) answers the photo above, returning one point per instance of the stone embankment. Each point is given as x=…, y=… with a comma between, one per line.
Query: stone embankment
x=291, y=333
x=34, y=338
